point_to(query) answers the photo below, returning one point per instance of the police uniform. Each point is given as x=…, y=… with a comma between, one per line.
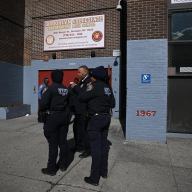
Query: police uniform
x=55, y=101
x=100, y=100
x=80, y=121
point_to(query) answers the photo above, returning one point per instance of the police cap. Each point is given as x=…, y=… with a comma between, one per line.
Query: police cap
x=99, y=73
x=57, y=76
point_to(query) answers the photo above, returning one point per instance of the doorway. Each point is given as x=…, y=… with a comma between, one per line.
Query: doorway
x=69, y=75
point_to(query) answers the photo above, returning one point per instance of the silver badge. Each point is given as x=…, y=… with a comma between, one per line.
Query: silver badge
x=107, y=91
x=89, y=87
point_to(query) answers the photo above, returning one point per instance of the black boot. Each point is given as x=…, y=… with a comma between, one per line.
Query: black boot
x=85, y=154
x=77, y=149
x=46, y=171
x=63, y=168
x=90, y=181
x=104, y=176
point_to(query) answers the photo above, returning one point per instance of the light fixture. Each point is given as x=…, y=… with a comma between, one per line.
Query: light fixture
x=115, y=63
x=119, y=7
x=93, y=54
x=54, y=56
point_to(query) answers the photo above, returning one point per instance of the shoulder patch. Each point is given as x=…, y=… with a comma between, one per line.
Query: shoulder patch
x=89, y=87
x=107, y=91
x=62, y=91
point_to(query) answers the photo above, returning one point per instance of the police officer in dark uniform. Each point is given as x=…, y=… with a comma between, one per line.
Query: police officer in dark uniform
x=55, y=102
x=100, y=100
x=80, y=111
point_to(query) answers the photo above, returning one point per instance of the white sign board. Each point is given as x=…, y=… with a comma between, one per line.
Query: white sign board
x=116, y=53
x=180, y=1
x=74, y=33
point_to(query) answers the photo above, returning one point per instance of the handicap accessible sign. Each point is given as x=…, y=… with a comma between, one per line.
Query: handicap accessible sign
x=145, y=78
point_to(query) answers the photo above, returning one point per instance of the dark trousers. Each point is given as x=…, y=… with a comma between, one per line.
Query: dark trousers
x=98, y=131
x=55, y=131
x=80, y=132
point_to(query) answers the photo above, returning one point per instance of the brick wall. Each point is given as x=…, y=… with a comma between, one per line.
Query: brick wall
x=11, y=31
x=51, y=9
x=146, y=19
x=147, y=57
x=28, y=32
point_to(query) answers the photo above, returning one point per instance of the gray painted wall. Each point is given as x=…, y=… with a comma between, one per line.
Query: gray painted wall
x=30, y=82
x=14, y=111
x=11, y=83
x=3, y=112
x=147, y=57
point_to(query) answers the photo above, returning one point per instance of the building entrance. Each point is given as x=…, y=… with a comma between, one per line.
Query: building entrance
x=180, y=77
x=69, y=76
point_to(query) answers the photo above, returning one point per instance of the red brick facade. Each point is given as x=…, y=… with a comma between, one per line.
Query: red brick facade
x=11, y=31
x=146, y=19
x=65, y=9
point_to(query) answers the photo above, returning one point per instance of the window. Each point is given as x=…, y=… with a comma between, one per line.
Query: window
x=181, y=26
x=180, y=39
x=181, y=55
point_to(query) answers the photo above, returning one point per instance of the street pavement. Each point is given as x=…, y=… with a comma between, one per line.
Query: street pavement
x=133, y=166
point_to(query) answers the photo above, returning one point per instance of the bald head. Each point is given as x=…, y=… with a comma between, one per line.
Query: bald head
x=83, y=71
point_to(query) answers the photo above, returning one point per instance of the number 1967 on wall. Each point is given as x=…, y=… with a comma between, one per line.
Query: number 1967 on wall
x=144, y=113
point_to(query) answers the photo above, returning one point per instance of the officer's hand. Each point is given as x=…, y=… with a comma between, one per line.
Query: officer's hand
x=72, y=84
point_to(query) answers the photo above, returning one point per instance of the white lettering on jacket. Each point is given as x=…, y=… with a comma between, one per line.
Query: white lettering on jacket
x=62, y=91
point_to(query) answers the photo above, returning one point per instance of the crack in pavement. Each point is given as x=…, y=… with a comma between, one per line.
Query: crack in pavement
x=53, y=184
x=56, y=183
x=28, y=178
x=78, y=187
x=172, y=169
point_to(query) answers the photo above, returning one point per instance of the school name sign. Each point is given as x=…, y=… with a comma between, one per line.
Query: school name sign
x=74, y=33
x=180, y=1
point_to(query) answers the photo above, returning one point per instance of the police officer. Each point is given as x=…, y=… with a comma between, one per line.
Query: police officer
x=80, y=111
x=100, y=100
x=55, y=101
x=43, y=87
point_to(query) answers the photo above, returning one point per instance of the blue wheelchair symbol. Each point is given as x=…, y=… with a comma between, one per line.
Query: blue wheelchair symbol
x=145, y=78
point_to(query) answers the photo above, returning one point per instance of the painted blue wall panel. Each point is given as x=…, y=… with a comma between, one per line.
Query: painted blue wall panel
x=11, y=83
x=31, y=76
x=2, y=113
x=146, y=57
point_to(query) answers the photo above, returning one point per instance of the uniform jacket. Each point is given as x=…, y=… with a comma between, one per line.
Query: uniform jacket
x=99, y=98
x=78, y=106
x=55, y=98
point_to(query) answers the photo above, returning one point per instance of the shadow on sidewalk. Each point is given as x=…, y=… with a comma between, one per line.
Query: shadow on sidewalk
x=71, y=152
x=70, y=156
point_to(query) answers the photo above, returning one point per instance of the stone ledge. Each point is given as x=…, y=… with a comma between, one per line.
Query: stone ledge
x=14, y=111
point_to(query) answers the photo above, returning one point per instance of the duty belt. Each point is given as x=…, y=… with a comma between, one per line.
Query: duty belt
x=53, y=112
x=96, y=114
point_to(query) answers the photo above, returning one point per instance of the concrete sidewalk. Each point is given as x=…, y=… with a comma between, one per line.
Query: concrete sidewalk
x=133, y=166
